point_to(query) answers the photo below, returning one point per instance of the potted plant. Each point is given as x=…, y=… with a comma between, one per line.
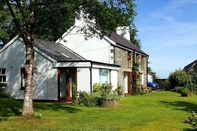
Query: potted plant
x=111, y=101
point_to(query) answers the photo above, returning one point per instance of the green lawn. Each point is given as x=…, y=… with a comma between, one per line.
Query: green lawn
x=158, y=111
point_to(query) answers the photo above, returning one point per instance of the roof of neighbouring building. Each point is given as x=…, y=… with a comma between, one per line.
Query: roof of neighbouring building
x=189, y=67
x=120, y=40
x=57, y=51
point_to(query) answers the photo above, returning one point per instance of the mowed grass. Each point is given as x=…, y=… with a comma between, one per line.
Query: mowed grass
x=157, y=111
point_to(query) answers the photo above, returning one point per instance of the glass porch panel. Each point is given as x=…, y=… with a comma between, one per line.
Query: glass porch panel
x=62, y=84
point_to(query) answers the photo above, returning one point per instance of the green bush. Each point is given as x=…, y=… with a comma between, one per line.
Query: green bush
x=74, y=93
x=178, y=89
x=101, y=92
x=96, y=87
x=185, y=91
x=91, y=100
x=192, y=120
x=178, y=78
x=119, y=90
x=164, y=85
x=106, y=87
x=3, y=94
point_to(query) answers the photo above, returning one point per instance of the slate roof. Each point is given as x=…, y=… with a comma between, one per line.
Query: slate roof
x=57, y=51
x=188, y=67
x=125, y=43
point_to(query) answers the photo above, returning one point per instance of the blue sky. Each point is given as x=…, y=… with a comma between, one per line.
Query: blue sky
x=168, y=33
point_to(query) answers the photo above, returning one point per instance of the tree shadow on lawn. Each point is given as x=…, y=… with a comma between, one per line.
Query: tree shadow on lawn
x=189, y=130
x=10, y=108
x=182, y=105
x=55, y=107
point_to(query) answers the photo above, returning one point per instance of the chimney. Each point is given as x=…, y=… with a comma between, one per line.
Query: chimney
x=123, y=31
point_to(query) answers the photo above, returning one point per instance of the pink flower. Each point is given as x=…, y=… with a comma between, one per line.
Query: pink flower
x=187, y=120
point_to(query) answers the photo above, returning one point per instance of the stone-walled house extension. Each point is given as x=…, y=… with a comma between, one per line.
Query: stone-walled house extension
x=127, y=55
x=116, y=49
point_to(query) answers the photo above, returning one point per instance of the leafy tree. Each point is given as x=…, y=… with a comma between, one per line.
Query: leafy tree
x=178, y=78
x=133, y=35
x=49, y=19
x=149, y=70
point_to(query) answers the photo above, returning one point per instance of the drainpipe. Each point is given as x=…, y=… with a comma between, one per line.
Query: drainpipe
x=91, y=77
x=147, y=71
x=133, y=59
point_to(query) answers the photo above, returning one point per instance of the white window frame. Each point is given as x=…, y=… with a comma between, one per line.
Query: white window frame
x=100, y=75
x=2, y=75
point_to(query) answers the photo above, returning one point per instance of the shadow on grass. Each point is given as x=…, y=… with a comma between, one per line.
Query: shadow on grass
x=182, y=105
x=55, y=107
x=189, y=130
x=9, y=107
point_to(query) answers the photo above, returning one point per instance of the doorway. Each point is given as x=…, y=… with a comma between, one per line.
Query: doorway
x=66, y=77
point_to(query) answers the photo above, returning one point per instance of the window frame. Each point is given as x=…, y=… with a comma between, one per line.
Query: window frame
x=3, y=75
x=108, y=75
x=22, y=78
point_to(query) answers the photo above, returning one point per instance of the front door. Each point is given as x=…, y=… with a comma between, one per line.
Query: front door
x=130, y=82
x=66, y=76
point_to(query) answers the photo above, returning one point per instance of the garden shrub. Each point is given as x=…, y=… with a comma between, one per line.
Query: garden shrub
x=185, y=91
x=178, y=89
x=91, y=100
x=119, y=89
x=178, y=78
x=192, y=120
x=3, y=94
x=74, y=93
x=164, y=85
x=101, y=92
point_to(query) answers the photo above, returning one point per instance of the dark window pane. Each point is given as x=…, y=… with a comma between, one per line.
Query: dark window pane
x=4, y=78
x=3, y=71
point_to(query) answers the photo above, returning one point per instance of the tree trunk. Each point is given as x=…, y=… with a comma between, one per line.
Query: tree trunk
x=29, y=65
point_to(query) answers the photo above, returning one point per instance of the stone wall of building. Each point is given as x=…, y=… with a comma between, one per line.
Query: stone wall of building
x=121, y=58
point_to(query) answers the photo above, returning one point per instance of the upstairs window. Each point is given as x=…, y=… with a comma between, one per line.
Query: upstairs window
x=2, y=75
x=129, y=59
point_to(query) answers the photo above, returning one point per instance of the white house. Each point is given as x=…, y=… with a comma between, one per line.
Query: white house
x=116, y=49
x=57, y=68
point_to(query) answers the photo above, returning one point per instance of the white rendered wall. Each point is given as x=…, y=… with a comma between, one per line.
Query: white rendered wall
x=94, y=49
x=13, y=58
x=45, y=81
x=150, y=78
x=95, y=76
x=83, y=79
x=114, y=79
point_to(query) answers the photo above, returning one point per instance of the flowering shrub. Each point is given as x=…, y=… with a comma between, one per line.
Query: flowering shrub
x=192, y=120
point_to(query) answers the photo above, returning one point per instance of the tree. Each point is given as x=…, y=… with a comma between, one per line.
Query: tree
x=133, y=34
x=50, y=19
x=149, y=70
x=178, y=78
